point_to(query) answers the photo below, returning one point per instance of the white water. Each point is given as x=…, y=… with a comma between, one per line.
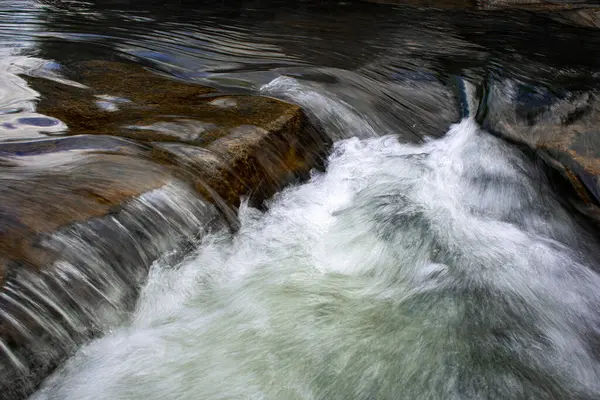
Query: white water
x=439, y=271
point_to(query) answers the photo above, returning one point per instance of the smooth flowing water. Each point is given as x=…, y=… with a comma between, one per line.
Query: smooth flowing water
x=429, y=260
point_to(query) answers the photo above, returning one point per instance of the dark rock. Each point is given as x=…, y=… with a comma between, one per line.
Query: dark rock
x=431, y=3
x=574, y=12
x=543, y=5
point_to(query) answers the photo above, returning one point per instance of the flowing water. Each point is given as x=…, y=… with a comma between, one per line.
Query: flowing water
x=429, y=260
x=446, y=270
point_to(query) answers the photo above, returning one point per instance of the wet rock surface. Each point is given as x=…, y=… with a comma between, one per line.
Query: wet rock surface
x=139, y=166
x=562, y=126
x=129, y=101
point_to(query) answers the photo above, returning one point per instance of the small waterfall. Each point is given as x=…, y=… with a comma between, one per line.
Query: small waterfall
x=91, y=286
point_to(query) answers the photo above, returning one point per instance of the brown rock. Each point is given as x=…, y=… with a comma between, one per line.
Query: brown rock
x=83, y=216
x=261, y=143
x=129, y=101
x=254, y=161
x=50, y=186
x=57, y=182
x=133, y=82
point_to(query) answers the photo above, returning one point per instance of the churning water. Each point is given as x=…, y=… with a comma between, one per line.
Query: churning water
x=442, y=270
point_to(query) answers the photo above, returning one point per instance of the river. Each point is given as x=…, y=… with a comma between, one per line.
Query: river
x=430, y=259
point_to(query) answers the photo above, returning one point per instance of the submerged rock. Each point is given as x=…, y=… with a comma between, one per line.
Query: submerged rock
x=145, y=167
x=130, y=101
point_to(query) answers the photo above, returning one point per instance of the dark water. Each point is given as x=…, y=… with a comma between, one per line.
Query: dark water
x=430, y=260
x=399, y=62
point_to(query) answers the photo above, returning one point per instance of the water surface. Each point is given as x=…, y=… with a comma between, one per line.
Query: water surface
x=429, y=260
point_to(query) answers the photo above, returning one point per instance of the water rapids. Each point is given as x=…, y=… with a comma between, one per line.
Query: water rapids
x=442, y=270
